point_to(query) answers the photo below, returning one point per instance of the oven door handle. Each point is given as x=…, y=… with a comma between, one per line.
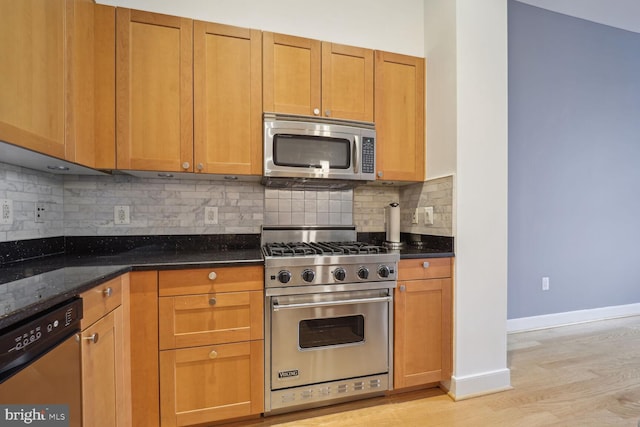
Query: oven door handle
x=277, y=307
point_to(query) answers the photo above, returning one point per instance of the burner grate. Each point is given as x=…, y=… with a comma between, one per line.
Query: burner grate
x=321, y=248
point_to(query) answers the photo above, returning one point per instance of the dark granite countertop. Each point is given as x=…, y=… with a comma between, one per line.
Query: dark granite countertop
x=31, y=286
x=70, y=266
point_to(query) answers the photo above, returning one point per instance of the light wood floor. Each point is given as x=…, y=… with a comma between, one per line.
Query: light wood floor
x=579, y=375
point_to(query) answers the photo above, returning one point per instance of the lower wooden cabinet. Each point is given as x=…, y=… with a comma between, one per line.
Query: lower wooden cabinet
x=197, y=345
x=104, y=360
x=211, y=383
x=423, y=322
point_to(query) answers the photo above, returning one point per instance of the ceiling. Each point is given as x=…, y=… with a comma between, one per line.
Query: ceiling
x=623, y=14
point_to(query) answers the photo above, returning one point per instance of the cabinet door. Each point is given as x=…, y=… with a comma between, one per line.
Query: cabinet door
x=154, y=91
x=101, y=370
x=90, y=92
x=212, y=383
x=291, y=74
x=192, y=320
x=422, y=332
x=227, y=99
x=347, y=82
x=399, y=117
x=34, y=74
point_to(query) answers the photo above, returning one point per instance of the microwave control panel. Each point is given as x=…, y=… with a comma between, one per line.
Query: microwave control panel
x=368, y=155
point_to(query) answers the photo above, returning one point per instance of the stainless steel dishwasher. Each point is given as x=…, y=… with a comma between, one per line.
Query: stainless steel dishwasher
x=40, y=365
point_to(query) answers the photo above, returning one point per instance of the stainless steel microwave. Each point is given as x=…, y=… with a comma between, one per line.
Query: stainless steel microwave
x=326, y=153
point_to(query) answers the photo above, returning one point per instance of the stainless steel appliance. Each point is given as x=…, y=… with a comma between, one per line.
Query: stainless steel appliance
x=328, y=317
x=40, y=362
x=301, y=151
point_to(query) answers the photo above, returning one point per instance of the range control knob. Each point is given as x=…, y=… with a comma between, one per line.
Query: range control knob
x=383, y=271
x=363, y=273
x=284, y=276
x=340, y=274
x=308, y=275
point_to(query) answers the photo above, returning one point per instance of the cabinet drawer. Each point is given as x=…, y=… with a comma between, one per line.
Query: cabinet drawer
x=424, y=268
x=211, y=383
x=194, y=320
x=100, y=300
x=210, y=280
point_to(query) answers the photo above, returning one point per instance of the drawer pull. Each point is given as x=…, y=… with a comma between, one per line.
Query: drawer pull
x=212, y=301
x=107, y=292
x=425, y=264
x=93, y=338
x=212, y=275
x=213, y=354
x=403, y=288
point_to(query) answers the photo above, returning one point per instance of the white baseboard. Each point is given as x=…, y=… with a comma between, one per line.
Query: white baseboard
x=570, y=317
x=466, y=387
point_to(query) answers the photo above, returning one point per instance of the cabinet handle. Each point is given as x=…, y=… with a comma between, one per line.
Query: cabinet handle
x=200, y=166
x=425, y=264
x=213, y=275
x=213, y=354
x=185, y=165
x=316, y=111
x=380, y=173
x=212, y=301
x=107, y=292
x=403, y=288
x=327, y=113
x=93, y=338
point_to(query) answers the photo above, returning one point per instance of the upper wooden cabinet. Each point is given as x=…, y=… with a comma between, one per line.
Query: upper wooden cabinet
x=57, y=79
x=227, y=99
x=400, y=117
x=309, y=77
x=154, y=91
x=188, y=95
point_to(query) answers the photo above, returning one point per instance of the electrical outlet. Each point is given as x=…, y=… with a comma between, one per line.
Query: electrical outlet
x=415, y=215
x=39, y=212
x=545, y=283
x=6, y=211
x=121, y=215
x=428, y=215
x=210, y=215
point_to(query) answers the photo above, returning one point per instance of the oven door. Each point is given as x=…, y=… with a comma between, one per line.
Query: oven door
x=329, y=336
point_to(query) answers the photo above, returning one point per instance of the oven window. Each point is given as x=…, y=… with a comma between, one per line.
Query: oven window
x=311, y=151
x=333, y=331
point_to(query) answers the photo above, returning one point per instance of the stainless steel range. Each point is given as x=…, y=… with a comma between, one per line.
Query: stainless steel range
x=328, y=317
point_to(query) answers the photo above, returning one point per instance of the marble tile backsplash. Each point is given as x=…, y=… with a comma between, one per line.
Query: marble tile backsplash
x=291, y=207
x=25, y=187
x=83, y=205
x=160, y=206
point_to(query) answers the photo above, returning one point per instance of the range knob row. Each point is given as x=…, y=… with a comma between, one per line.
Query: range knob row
x=339, y=274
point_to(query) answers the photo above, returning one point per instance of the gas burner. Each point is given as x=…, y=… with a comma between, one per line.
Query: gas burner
x=292, y=249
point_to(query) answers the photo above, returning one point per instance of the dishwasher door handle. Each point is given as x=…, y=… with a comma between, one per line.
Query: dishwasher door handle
x=277, y=307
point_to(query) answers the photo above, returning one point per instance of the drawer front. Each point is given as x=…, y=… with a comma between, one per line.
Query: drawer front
x=211, y=383
x=195, y=320
x=424, y=268
x=100, y=300
x=210, y=280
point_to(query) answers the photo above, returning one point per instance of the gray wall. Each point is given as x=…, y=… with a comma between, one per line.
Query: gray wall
x=574, y=163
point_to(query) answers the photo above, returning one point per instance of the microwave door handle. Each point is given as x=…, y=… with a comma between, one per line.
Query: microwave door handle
x=356, y=154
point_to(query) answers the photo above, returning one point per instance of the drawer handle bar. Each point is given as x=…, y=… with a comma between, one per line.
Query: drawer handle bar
x=107, y=292
x=425, y=264
x=93, y=338
x=277, y=306
x=213, y=275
